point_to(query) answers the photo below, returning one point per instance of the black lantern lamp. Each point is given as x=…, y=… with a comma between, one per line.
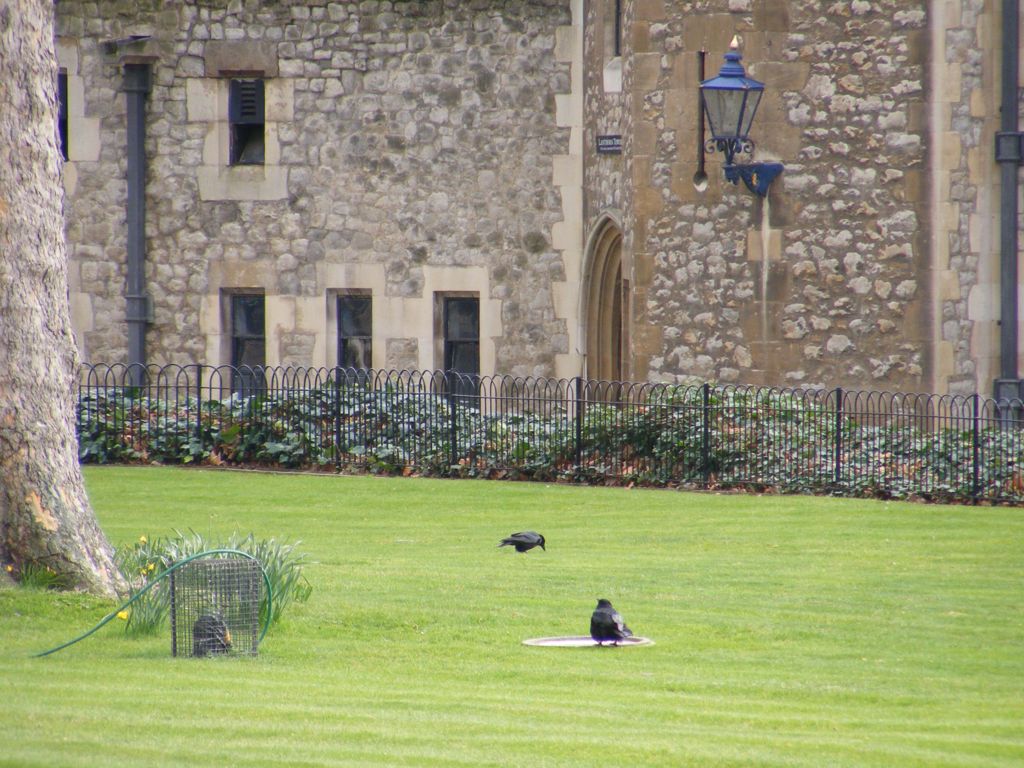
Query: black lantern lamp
x=730, y=102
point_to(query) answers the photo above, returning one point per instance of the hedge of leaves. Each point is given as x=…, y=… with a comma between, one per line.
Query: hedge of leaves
x=676, y=436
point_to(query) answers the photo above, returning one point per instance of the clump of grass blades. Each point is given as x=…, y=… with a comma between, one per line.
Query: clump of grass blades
x=37, y=575
x=145, y=560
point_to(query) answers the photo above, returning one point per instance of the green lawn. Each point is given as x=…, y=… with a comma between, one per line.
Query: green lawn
x=789, y=631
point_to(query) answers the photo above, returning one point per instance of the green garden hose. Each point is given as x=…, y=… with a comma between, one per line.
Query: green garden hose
x=111, y=616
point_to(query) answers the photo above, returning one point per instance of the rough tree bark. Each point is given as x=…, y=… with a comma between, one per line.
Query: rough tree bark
x=45, y=516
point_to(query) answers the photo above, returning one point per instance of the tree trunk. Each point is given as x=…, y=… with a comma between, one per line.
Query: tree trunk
x=45, y=517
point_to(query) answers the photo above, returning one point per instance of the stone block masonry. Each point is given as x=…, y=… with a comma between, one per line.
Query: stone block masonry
x=417, y=149
x=409, y=150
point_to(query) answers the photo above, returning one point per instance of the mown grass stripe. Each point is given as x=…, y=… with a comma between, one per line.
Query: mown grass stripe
x=790, y=631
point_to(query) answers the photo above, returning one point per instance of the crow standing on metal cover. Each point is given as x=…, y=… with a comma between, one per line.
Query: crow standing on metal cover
x=524, y=541
x=606, y=624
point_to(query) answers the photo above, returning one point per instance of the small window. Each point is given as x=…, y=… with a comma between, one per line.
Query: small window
x=248, y=343
x=617, y=29
x=462, y=342
x=246, y=116
x=355, y=332
x=611, y=23
x=62, y=112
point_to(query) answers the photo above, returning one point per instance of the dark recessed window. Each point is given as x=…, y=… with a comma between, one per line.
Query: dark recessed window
x=248, y=342
x=355, y=332
x=462, y=342
x=617, y=32
x=62, y=112
x=246, y=117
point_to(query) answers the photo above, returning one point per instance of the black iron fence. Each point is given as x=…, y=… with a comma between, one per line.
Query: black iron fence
x=843, y=442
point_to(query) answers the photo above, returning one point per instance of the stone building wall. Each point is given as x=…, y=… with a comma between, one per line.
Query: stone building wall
x=417, y=148
x=874, y=260
x=825, y=280
x=410, y=147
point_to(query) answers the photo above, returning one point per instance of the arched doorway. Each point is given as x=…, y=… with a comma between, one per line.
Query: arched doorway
x=605, y=311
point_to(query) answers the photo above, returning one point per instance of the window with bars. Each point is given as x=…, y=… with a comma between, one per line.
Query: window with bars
x=355, y=331
x=248, y=342
x=246, y=117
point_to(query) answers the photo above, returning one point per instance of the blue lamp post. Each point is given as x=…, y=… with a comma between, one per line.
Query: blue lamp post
x=730, y=102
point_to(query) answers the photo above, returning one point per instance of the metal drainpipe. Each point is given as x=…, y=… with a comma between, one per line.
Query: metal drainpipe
x=136, y=87
x=1009, y=143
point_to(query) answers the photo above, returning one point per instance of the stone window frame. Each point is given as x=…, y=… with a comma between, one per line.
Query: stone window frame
x=227, y=319
x=83, y=147
x=83, y=132
x=207, y=102
x=441, y=341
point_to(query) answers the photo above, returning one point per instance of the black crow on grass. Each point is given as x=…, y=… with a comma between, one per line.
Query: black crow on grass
x=606, y=624
x=524, y=541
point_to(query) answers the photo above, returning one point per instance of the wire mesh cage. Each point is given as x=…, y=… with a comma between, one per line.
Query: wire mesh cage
x=215, y=607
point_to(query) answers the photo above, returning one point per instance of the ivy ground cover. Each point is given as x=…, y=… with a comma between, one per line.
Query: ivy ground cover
x=788, y=631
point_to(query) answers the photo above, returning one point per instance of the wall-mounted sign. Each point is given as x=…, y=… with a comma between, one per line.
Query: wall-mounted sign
x=609, y=145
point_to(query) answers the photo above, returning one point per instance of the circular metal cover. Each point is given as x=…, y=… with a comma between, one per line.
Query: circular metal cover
x=585, y=641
